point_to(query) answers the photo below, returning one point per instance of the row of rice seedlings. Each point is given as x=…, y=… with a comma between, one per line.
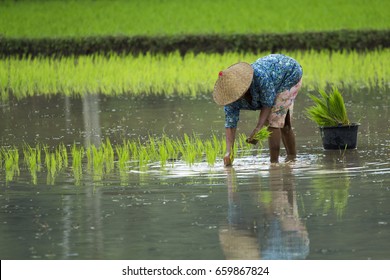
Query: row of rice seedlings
x=188, y=150
x=174, y=17
x=55, y=161
x=128, y=155
x=190, y=75
x=100, y=160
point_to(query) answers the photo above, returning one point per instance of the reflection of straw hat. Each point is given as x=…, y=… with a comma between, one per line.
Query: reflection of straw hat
x=233, y=83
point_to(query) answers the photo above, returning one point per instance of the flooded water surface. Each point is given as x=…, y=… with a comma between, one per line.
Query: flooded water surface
x=326, y=205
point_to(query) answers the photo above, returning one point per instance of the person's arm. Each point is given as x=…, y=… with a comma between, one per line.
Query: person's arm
x=230, y=137
x=232, y=115
x=263, y=116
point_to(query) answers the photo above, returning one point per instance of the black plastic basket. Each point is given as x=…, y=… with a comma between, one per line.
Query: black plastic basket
x=339, y=137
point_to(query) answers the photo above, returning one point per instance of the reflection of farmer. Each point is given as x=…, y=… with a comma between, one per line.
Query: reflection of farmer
x=279, y=232
x=270, y=84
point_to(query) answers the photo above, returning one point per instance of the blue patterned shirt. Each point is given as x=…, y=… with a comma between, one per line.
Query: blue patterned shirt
x=272, y=74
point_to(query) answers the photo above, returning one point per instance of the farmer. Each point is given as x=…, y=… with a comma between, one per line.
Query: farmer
x=270, y=85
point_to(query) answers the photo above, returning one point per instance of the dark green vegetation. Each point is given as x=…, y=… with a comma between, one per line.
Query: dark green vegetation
x=333, y=40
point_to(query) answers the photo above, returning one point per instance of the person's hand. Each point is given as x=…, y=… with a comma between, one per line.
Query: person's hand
x=228, y=159
x=251, y=139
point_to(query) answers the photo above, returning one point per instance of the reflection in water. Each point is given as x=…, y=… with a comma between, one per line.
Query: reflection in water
x=91, y=120
x=332, y=183
x=276, y=232
x=82, y=226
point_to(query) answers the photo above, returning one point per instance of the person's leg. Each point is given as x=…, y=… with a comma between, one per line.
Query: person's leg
x=274, y=144
x=288, y=138
x=280, y=124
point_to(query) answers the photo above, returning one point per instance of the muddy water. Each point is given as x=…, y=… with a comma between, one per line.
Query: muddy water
x=326, y=205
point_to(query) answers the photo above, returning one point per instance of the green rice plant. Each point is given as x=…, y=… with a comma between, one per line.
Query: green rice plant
x=123, y=153
x=89, y=158
x=108, y=154
x=172, y=148
x=55, y=161
x=51, y=165
x=143, y=157
x=243, y=147
x=188, y=150
x=57, y=156
x=77, y=163
x=32, y=160
x=11, y=163
x=219, y=145
x=329, y=109
x=164, y=154
x=133, y=145
x=39, y=156
x=199, y=147
x=52, y=168
x=97, y=162
x=63, y=153
x=152, y=149
x=211, y=152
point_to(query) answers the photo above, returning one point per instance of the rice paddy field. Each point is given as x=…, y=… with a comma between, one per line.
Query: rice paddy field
x=155, y=17
x=191, y=75
x=121, y=156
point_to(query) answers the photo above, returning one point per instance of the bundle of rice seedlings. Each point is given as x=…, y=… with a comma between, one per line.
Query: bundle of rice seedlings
x=329, y=109
x=262, y=134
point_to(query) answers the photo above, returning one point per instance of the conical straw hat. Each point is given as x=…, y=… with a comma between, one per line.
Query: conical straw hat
x=233, y=83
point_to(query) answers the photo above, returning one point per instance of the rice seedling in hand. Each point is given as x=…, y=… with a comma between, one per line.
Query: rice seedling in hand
x=262, y=135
